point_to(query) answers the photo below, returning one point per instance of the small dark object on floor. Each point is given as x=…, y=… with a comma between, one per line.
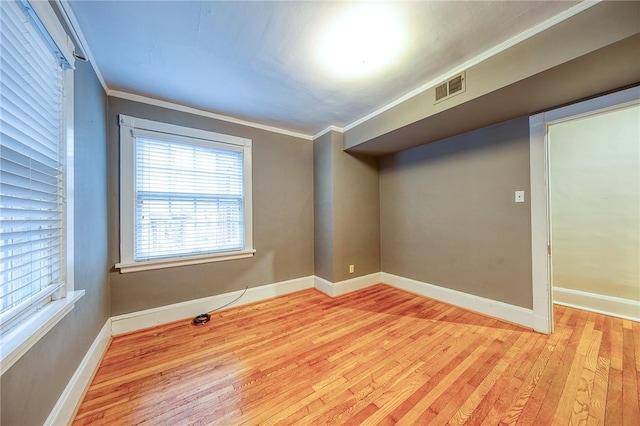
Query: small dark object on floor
x=201, y=319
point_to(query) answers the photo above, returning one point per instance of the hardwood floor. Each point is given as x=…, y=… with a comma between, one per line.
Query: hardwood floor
x=376, y=356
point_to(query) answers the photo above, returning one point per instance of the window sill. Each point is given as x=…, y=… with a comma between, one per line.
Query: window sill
x=20, y=339
x=182, y=261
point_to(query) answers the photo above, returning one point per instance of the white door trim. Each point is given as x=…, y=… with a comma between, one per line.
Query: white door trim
x=540, y=229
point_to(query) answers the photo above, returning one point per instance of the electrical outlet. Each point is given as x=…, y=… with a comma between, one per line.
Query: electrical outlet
x=352, y=269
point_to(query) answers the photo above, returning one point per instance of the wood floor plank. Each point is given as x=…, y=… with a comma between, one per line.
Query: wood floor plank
x=396, y=394
x=574, y=400
x=502, y=396
x=340, y=406
x=614, y=405
x=584, y=404
x=372, y=357
x=482, y=398
x=529, y=405
x=409, y=412
x=630, y=407
x=636, y=345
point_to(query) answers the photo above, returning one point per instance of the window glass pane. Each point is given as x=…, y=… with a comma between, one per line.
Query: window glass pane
x=189, y=199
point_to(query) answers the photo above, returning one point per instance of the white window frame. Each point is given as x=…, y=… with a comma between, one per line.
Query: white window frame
x=129, y=127
x=23, y=333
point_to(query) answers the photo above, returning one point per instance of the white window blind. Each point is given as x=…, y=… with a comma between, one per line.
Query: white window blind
x=189, y=199
x=32, y=158
x=185, y=196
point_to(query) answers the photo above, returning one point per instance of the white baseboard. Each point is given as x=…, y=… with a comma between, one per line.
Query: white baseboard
x=323, y=285
x=492, y=308
x=607, y=305
x=346, y=286
x=164, y=314
x=65, y=409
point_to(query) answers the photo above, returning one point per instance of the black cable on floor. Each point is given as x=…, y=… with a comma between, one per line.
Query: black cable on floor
x=202, y=319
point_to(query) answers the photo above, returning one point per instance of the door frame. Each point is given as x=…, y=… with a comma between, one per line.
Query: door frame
x=539, y=195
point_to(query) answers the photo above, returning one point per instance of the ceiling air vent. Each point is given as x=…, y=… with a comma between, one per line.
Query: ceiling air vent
x=451, y=87
x=441, y=91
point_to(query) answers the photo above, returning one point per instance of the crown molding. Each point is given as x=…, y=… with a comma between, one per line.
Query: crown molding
x=327, y=130
x=203, y=113
x=75, y=28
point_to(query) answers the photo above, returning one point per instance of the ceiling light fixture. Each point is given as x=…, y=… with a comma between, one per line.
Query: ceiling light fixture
x=361, y=40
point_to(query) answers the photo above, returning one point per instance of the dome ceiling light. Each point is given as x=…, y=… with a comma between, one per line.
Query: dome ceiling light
x=361, y=40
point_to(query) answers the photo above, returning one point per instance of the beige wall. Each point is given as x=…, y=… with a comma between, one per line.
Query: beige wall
x=282, y=218
x=595, y=203
x=347, y=211
x=356, y=213
x=448, y=215
x=323, y=206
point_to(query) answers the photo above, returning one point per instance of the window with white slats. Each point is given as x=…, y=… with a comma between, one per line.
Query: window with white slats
x=185, y=195
x=33, y=165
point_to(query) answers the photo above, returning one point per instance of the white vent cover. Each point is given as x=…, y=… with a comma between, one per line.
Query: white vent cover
x=451, y=87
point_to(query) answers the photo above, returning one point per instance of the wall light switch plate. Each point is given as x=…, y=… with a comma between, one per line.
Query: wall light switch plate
x=519, y=196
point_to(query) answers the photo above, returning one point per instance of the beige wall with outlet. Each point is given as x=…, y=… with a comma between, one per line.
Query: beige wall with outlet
x=356, y=207
x=346, y=211
x=595, y=203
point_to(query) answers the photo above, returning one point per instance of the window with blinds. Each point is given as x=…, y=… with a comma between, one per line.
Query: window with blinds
x=33, y=165
x=188, y=199
x=185, y=195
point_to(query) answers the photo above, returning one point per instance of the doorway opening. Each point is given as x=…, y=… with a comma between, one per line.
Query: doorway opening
x=548, y=227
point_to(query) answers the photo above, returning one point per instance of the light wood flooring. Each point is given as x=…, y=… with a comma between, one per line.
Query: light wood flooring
x=375, y=356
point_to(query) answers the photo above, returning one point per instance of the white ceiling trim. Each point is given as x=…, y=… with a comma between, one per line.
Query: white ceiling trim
x=327, y=130
x=203, y=113
x=66, y=9
x=580, y=7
